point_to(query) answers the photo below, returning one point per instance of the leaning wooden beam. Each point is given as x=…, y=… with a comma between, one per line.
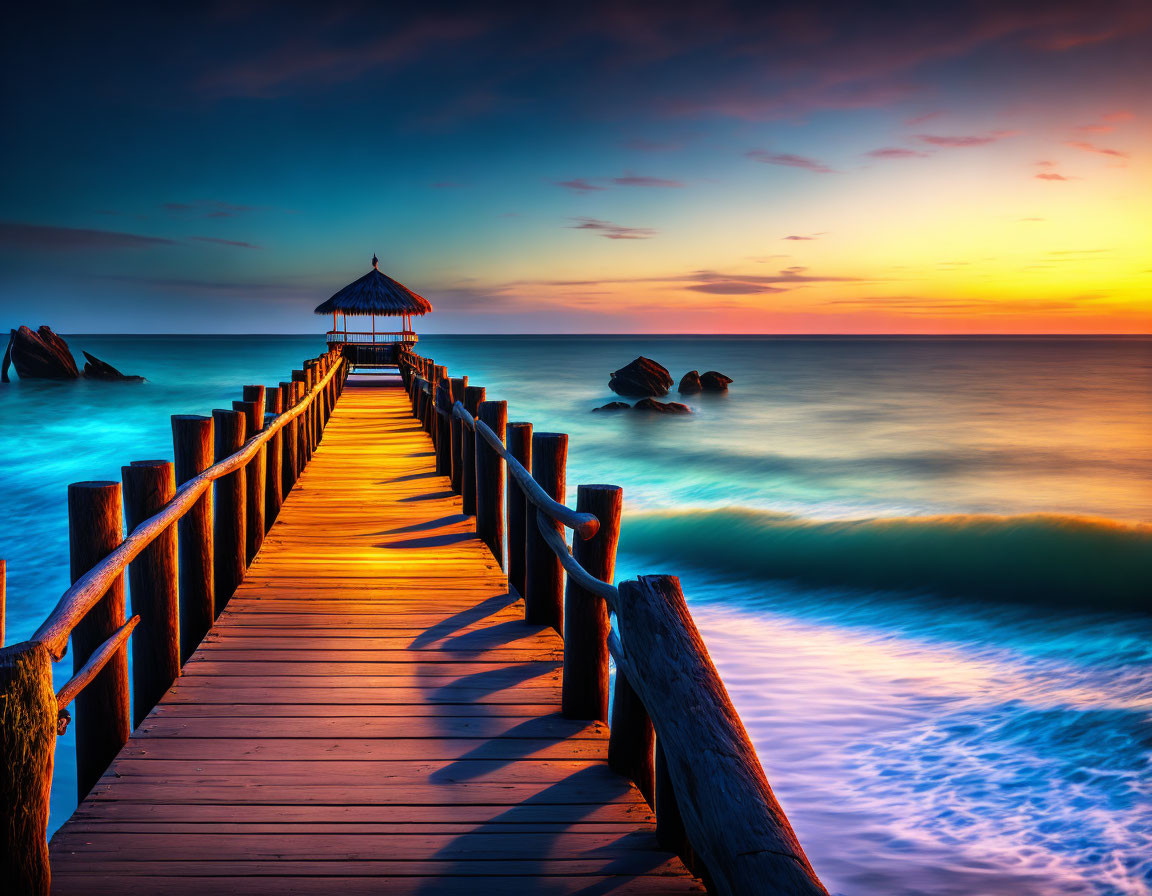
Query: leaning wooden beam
x=96, y=662
x=732, y=819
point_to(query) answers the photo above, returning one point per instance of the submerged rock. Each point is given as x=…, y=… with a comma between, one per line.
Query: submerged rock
x=712, y=381
x=642, y=377
x=100, y=370
x=662, y=407
x=613, y=406
x=690, y=383
x=39, y=355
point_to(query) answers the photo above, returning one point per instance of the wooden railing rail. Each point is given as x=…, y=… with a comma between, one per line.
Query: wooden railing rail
x=31, y=715
x=88, y=589
x=673, y=727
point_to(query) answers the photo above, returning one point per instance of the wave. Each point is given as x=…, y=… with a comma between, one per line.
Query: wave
x=1086, y=562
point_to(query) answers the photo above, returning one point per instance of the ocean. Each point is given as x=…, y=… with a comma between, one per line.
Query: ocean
x=923, y=567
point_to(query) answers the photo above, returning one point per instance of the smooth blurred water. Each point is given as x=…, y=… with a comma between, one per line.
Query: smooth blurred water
x=922, y=566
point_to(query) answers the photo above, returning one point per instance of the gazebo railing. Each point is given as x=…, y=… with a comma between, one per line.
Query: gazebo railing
x=350, y=337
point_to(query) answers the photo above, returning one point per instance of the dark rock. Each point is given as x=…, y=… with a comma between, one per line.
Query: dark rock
x=662, y=407
x=711, y=381
x=100, y=370
x=640, y=378
x=41, y=355
x=613, y=406
x=690, y=383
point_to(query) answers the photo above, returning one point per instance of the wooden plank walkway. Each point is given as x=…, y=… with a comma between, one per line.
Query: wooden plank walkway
x=370, y=714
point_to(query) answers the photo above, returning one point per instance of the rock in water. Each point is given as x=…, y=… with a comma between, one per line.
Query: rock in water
x=41, y=355
x=613, y=406
x=100, y=370
x=711, y=381
x=662, y=407
x=690, y=383
x=642, y=377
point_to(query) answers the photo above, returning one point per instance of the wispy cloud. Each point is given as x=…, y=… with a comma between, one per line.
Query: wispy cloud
x=22, y=235
x=636, y=180
x=579, y=185
x=1099, y=150
x=611, y=231
x=897, y=152
x=799, y=237
x=208, y=208
x=239, y=244
x=1050, y=175
x=789, y=160
x=965, y=140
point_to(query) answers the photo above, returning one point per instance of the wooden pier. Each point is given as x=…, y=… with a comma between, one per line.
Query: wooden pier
x=375, y=707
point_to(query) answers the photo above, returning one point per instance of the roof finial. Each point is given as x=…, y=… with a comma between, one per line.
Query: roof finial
x=375, y=261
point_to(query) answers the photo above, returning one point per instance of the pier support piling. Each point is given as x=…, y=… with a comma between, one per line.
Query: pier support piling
x=518, y=440
x=231, y=516
x=490, y=480
x=544, y=576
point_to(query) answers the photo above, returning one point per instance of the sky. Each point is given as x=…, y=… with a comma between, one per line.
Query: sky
x=605, y=167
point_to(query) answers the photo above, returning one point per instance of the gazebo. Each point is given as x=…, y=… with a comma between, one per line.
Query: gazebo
x=373, y=294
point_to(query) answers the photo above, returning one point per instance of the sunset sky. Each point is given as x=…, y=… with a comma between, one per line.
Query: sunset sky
x=776, y=168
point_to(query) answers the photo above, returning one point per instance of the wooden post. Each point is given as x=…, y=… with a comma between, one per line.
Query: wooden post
x=274, y=474
x=519, y=443
x=586, y=625
x=152, y=580
x=455, y=427
x=473, y=396
x=544, y=576
x=299, y=376
x=27, y=748
x=228, y=533
x=95, y=529
x=255, y=474
x=192, y=450
x=290, y=464
x=631, y=739
x=733, y=821
x=490, y=480
x=669, y=824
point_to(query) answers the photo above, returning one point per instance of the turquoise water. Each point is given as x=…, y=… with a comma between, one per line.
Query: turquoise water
x=918, y=564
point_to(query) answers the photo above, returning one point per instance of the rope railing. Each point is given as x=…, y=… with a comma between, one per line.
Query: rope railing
x=91, y=586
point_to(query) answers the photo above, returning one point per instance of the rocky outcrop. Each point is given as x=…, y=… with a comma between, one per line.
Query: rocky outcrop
x=96, y=369
x=614, y=406
x=661, y=407
x=712, y=381
x=690, y=383
x=40, y=355
x=643, y=377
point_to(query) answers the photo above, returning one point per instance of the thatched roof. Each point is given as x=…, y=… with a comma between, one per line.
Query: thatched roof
x=375, y=293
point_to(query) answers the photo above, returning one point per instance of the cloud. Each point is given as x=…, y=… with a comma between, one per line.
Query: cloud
x=920, y=119
x=789, y=160
x=221, y=242
x=801, y=237
x=39, y=237
x=734, y=288
x=639, y=144
x=1100, y=150
x=965, y=140
x=895, y=152
x=208, y=208
x=1050, y=175
x=578, y=185
x=635, y=180
x=611, y=231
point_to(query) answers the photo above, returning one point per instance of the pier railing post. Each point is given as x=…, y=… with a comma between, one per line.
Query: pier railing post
x=490, y=480
x=301, y=378
x=231, y=517
x=28, y=716
x=631, y=738
x=152, y=582
x=669, y=823
x=192, y=451
x=274, y=474
x=518, y=440
x=586, y=625
x=255, y=476
x=544, y=576
x=288, y=461
x=455, y=426
x=95, y=529
x=473, y=396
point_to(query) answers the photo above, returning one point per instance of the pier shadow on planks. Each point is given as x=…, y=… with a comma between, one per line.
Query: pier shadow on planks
x=369, y=714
